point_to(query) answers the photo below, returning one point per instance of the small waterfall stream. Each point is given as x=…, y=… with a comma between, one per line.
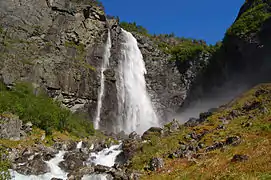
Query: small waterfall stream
x=104, y=66
x=135, y=108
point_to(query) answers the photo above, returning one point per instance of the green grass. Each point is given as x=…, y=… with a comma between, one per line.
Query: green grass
x=33, y=105
x=4, y=164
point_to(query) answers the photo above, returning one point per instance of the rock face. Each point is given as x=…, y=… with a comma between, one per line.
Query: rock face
x=55, y=44
x=10, y=126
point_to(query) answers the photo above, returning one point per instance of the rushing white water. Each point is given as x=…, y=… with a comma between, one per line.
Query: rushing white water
x=135, y=109
x=95, y=177
x=55, y=171
x=104, y=66
x=107, y=156
x=79, y=145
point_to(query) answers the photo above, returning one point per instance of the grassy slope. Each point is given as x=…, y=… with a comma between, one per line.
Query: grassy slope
x=217, y=164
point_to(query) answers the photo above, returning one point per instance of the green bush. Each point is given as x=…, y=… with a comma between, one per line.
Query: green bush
x=4, y=165
x=133, y=27
x=33, y=105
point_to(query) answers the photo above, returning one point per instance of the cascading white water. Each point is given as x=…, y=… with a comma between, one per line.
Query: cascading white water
x=55, y=171
x=104, y=66
x=106, y=157
x=135, y=109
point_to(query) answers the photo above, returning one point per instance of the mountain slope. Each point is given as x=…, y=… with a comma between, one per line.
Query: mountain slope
x=232, y=143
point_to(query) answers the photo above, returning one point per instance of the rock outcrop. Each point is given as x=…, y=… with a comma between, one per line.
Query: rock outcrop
x=54, y=44
x=10, y=126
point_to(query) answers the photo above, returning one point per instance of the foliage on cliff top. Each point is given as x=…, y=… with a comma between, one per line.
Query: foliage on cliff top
x=133, y=27
x=251, y=20
x=253, y=125
x=33, y=105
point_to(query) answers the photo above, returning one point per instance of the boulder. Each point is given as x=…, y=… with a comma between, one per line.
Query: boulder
x=233, y=140
x=10, y=126
x=35, y=166
x=73, y=161
x=172, y=126
x=239, y=158
x=156, y=164
x=134, y=136
x=153, y=131
x=79, y=173
x=27, y=127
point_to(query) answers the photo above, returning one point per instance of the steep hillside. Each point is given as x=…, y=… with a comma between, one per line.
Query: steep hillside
x=233, y=142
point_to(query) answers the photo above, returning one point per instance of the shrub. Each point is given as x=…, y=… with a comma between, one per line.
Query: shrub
x=33, y=105
x=4, y=164
x=133, y=27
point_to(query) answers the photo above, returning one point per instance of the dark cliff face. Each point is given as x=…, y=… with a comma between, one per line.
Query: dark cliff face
x=242, y=61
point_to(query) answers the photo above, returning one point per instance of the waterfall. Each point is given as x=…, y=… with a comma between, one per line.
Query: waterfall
x=104, y=66
x=134, y=106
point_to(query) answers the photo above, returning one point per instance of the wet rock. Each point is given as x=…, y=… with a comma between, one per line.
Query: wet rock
x=122, y=135
x=120, y=175
x=73, y=161
x=56, y=179
x=101, y=169
x=25, y=155
x=234, y=140
x=10, y=126
x=239, y=158
x=35, y=166
x=49, y=154
x=79, y=173
x=134, y=136
x=153, y=131
x=69, y=146
x=156, y=164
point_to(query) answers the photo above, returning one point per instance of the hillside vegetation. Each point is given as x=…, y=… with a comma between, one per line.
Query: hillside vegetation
x=207, y=151
x=32, y=104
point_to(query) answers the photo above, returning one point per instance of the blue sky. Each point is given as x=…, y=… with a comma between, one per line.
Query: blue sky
x=200, y=19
